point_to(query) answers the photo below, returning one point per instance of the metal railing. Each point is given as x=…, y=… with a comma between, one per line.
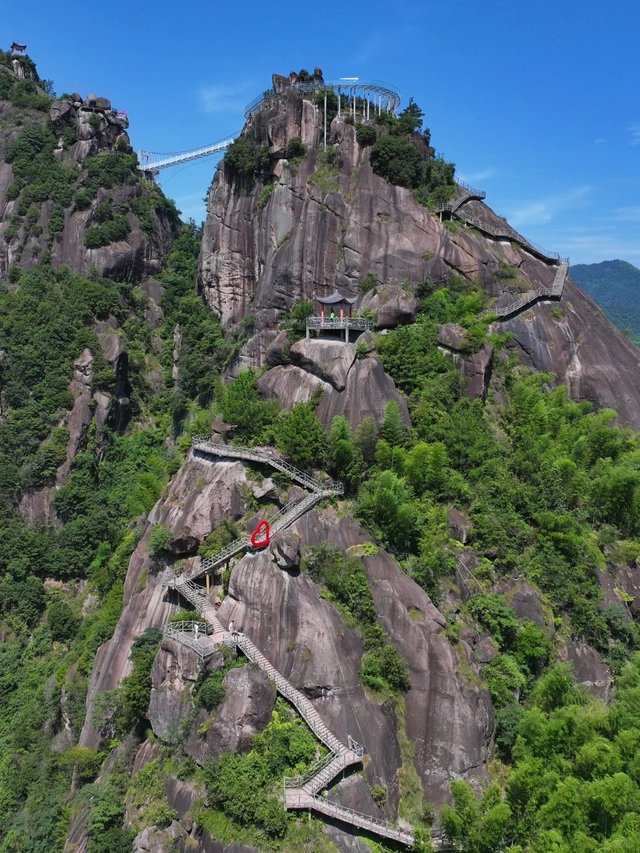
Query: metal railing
x=508, y=233
x=186, y=626
x=182, y=631
x=471, y=191
x=308, y=775
x=317, y=322
x=266, y=457
x=163, y=161
x=284, y=686
x=299, y=791
x=301, y=800
x=553, y=292
x=343, y=87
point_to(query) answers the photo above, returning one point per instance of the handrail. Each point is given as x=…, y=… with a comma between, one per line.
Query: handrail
x=299, y=791
x=313, y=770
x=346, y=323
x=508, y=233
x=553, y=292
x=471, y=190
x=301, y=799
x=267, y=457
x=292, y=694
x=383, y=90
x=167, y=160
x=189, y=625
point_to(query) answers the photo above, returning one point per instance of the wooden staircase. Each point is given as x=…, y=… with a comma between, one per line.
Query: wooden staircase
x=300, y=792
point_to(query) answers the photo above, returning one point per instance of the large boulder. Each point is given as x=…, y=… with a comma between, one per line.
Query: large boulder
x=244, y=712
x=366, y=393
x=290, y=385
x=589, y=669
x=476, y=369
x=328, y=360
x=175, y=670
x=392, y=305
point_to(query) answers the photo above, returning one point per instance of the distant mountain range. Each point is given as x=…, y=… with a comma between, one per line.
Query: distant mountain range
x=615, y=286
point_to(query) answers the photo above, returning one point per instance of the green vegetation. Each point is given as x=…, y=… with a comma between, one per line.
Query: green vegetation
x=574, y=781
x=615, y=286
x=50, y=637
x=366, y=135
x=23, y=94
x=210, y=692
x=382, y=669
x=265, y=195
x=551, y=489
x=403, y=155
x=243, y=787
x=115, y=228
x=248, y=160
x=295, y=149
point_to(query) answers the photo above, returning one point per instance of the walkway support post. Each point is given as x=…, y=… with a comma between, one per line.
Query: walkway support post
x=325, y=118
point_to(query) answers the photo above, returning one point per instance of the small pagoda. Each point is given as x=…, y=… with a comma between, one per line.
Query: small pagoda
x=18, y=49
x=336, y=313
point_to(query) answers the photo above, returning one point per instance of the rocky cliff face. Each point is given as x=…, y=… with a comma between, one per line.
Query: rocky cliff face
x=446, y=718
x=53, y=226
x=200, y=495
x=329, y=220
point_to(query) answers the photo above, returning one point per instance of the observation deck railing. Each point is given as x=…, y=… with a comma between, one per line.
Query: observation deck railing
x=377, y=88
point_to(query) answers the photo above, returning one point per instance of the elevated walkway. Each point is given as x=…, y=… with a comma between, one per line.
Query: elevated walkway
x=298, y=798
x=505, y=232
x=347, y=324
x=381, y=96
x=287, y=516
x=151, y=162
x=300, y=792
x=512, y=309
x=464, y=194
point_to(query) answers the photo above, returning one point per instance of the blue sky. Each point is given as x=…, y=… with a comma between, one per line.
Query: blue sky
x=537, y=103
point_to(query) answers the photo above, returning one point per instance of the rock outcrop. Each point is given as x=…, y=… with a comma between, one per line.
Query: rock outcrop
x=244, y=712
x=85, y=129
x=198, y=497
x=576, y=342
x=329, y=221
x=449, y=720
x=367, y=390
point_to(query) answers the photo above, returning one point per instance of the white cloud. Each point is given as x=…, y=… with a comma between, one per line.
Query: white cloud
x=590, y=245
x=542, y=211
x=481, y=175
x=225, y=98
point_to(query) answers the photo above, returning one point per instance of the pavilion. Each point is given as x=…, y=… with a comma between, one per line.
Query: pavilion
x=336, y=313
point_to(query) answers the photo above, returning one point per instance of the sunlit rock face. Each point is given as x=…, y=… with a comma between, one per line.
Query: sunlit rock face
x=329, y=221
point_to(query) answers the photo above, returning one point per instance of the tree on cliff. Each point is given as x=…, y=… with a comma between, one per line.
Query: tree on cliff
x=299, y=435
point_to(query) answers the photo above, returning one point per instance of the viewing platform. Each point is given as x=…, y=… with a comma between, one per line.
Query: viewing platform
x=336, y=316
x=323, y=324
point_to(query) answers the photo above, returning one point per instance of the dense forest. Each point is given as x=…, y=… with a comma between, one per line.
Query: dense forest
x=550, y=488
x=615, y=285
